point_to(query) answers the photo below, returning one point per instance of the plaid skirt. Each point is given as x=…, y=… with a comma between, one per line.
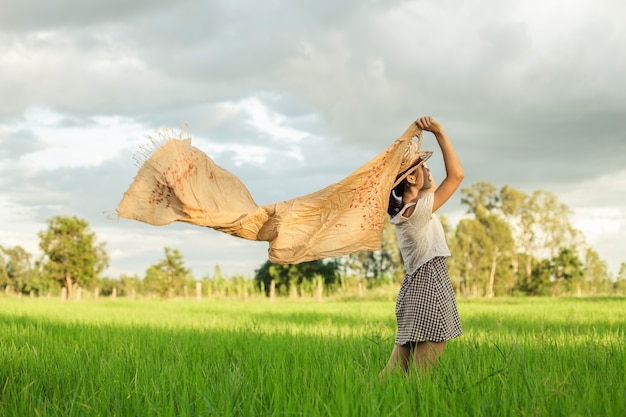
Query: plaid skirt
x=426, y=306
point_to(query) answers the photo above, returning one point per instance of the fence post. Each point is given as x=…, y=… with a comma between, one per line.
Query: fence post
x=198, y=291
x=360, y=289
x=319, y=289
x=114, y=293
x=272, y=290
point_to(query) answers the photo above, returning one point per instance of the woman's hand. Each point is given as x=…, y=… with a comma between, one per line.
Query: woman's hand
x=429, y=124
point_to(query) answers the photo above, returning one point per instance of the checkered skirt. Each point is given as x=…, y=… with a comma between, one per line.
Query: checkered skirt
x=426, y=306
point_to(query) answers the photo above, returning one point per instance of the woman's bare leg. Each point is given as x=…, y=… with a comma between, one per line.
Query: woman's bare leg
x=400, y=355
x=426, y=354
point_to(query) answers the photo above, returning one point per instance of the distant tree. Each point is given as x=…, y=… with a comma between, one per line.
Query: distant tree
x=519, y=212
x=470, y=250
x=495, y=239
x=540, y=281
x=381, y=265
x=553, y=229
x=288, y=276
x=169, y=275
x=106, y=285
x=621, y=275
x=499, y=249
x=620, y=282
x=72, y=256
x=596, y=272
x=128, y=284
x=17, y=268
x=5, y=281
x=568, y=271
x=480, y=195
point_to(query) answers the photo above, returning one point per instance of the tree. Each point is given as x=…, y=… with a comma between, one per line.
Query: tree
x=16, y=270
x=540, y=281
x=469, y=261
x=620, y=282
x=169, y=274
x=382, y=264
x=499, y=248
x=568, y=270
x=72, y=256
x=5, y=281
x=289, y=276
x=480, y=194
x=553, y=230
x=596, y=271
x=519, y=212
x=496, y=241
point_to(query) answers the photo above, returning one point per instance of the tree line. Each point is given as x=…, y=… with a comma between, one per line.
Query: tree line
x=508, y=243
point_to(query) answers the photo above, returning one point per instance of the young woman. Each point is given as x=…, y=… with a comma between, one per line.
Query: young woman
x=426, y=309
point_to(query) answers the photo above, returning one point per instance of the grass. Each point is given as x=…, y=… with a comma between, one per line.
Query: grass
x=518, y=357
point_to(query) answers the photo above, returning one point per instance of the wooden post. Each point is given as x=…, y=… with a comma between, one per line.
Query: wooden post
x=114, y=293
x=272, y=290
x=96, y=293
x=319, y=290
x=198, y=291
x=360, y=289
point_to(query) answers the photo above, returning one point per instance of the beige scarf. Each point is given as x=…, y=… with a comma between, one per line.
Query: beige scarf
x=178, y=182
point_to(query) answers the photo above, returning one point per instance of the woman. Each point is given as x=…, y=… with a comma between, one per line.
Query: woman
x=426, y=309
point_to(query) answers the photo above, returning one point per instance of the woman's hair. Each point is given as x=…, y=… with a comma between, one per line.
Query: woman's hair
x=395, y=198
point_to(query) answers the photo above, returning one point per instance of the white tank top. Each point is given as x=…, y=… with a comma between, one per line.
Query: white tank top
x=420, y=236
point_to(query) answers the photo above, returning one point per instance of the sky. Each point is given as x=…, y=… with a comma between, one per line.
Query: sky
x=293, y=96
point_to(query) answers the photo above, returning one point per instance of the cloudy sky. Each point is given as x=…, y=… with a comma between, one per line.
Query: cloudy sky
x=294, y=95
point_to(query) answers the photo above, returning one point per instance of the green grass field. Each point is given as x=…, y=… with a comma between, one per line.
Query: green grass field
x=517, y=357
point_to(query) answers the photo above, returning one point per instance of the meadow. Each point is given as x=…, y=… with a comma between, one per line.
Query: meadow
x=517, y=357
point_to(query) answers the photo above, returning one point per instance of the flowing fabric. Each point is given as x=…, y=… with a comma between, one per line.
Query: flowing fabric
x=179, y=183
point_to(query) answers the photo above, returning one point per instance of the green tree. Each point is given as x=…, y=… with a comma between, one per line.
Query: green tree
x=568, y=271
x=540, y=281
x=169, y=275
x=620, y=282
x=553, y=229
x=289, y=276
x=376, y=266
x=480, y=195
x=596, y=272
x=18, y=269
x=72, y=256
x=496, y=241
x=499, y=249
x=469, y=260
x=130, y=284
x=5, y=281
x=519, y=211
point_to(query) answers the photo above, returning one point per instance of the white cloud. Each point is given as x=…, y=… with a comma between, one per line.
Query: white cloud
x=80, y=143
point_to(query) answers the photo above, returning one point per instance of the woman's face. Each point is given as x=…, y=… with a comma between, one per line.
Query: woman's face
x=423, y=178
x=428, y=178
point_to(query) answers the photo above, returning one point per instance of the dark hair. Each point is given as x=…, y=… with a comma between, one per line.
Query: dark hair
x=395, y=198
